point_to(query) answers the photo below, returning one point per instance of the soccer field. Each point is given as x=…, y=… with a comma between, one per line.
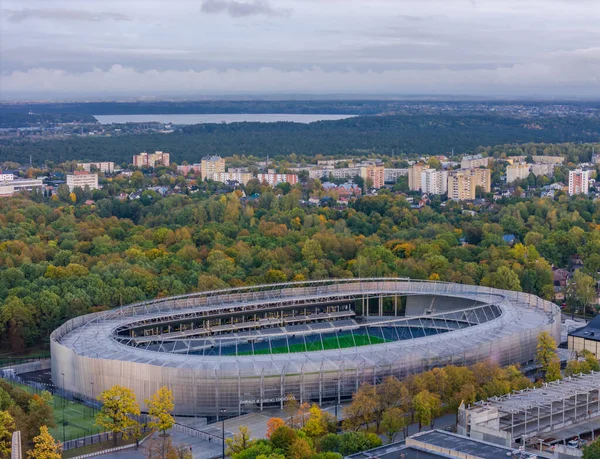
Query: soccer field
x=327, y=343
x=78, y=418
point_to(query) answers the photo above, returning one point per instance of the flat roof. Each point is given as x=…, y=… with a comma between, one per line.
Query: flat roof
x=454, y=444
x=466, y=445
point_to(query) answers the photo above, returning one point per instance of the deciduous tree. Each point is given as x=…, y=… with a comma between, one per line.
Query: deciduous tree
x=119, y=407
x=45, y=447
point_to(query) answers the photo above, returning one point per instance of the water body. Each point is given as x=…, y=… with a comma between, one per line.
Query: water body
x=217, y=118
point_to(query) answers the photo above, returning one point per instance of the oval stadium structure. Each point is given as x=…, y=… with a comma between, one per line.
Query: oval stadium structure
x=237, y=350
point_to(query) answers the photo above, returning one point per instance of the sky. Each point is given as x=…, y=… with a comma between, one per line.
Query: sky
x=66, y=49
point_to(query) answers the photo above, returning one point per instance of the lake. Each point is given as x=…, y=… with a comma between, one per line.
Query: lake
x=217, y=118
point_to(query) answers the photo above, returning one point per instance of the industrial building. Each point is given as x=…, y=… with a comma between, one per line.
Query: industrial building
x=249, y=348
x=553, y=413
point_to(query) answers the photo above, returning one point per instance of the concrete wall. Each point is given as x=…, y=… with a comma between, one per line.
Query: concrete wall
x=418, y=305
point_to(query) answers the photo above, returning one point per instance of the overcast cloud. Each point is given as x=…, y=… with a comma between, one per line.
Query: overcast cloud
x=103, y=48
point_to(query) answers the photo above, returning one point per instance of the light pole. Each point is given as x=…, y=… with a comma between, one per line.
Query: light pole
x=93, y=398
x=63, y=416
x=223, y=430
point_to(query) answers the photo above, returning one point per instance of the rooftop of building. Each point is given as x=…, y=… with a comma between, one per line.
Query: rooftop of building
x=441, y=444
x=590, y=332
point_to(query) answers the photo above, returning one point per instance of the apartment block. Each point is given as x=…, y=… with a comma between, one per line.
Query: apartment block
x=240, y=177
x=579, y=182
x=461, y=186
x=543, y=159
x=210, y=166
x=82, y=179
x=343, y=173
x=434, y=182
x=374, y=174
x=414, y=176
x=152, y=159
x=274, y=179
x=186, y=169
x=517, y=172
x=107, y=167
x=469, y=162
x=543, y=169
x=483, y=178
x=391, y=175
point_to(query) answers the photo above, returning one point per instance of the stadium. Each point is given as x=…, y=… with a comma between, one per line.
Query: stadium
x=228, y=352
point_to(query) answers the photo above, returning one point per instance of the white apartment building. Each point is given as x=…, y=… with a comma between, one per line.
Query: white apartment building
x=392, y=175
x=240, y=177
x=544, y=159
x=517, y=172
x=434, y=182
x=543, y=169
x=579, y=182
x=81, y=180
x=10, y=187
x=274, y=179
x=470, y=162
x=104, y=167
x=344, y=173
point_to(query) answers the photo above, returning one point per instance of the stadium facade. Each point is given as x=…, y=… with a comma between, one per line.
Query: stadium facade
x=231, y=351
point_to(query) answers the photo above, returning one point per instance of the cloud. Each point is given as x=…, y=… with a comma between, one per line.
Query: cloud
x=241, y=9
x=564, y=74
x=60, y=14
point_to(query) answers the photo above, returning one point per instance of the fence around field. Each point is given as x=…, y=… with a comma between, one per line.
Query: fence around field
x=73, y=441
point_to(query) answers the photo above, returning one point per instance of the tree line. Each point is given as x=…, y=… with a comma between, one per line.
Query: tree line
x=60, y=259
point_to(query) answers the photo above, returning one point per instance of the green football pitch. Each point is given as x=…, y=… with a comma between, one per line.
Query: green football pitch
x=327, y=343
x=79, y=419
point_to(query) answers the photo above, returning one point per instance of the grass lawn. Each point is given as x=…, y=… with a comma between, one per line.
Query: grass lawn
x=328, y=343
x=78, y=417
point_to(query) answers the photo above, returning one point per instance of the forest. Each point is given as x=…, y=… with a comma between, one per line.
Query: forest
x=401, y=135
x=63, y=258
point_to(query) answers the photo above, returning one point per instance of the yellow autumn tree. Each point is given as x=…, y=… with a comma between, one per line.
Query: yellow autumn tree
x=7, y=426
x=159, y=408
x=45, y=447
x=119, y=406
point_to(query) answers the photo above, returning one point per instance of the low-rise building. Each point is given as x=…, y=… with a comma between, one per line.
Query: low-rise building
x=6, y=176
x=11, y=187
x=587, y=338
x=106, y=167
x=82, y=179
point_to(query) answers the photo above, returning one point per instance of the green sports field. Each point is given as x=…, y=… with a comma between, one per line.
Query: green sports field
x=78, y=418
x=328, y=343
